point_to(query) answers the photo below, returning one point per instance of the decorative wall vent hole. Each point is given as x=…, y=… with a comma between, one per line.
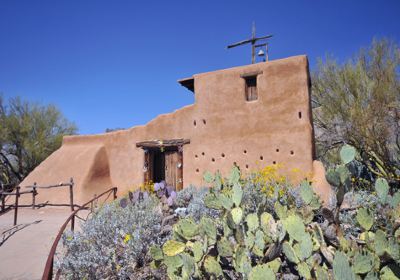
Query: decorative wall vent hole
x=213, y=159
x=204, y=121
x=277, y=150
x=292, y=152
x=202, y=153
x=261, y=158
x=299, y=115
x=197, y=170
x=274, y=162
x=244, y=152
x=222, y=155
x=194, y=123
x=247, y=166
x=235, y=163
x=196, y=156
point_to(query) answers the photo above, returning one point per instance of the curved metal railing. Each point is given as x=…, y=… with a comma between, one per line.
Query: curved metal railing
x=48, y=270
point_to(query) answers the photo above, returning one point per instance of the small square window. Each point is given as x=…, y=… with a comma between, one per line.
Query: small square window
x=251, y=88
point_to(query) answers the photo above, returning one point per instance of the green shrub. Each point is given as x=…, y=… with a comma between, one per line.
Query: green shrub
x=114, y=242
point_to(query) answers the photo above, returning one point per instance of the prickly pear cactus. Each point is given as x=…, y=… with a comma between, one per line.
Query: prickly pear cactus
x=347, y=154
x=287, y=239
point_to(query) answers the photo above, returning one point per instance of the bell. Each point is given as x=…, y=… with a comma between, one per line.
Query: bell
x=260, y=53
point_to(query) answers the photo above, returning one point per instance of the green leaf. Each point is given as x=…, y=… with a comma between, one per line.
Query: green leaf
x=261, y=272
x=234, y=176
x=259, y=243
x=293, y=224
x=188, y=266
x=275, y=265
x=207, y=227
x=364, y=218
x=212, y=266
x=280, y=210
x=211, y=201
x=173, y=262
x=341, y=268
x=186, y=228
x=290, y=253
x=321, y=273
x=208, y=177
x=237, y=214
x=156, y=253
x=197, y=251
x=363, y=262
x=224, y=248
x=381, y=242
x=241, y=260
x=172, y=248
x=347, y=153
x=218, y=181
x=388, y=274
x=333, y=177
x=394, y=249
x=382, y=189
x=395, y=201
x=344, y=175
x=304, y=248
x=304, y=270
x=252, y=221
x=225, y=201
x=306, y=192
x=237, y=194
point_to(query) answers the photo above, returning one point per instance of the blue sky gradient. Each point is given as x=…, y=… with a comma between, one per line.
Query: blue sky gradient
x=109, y=64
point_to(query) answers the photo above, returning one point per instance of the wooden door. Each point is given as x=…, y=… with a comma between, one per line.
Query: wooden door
x=171, y=166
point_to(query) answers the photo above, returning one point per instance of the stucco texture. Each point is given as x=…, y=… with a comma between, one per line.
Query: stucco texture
x=223, y=129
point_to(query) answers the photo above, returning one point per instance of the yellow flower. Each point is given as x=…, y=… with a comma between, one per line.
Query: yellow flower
x=127, y=238
x=295, y=170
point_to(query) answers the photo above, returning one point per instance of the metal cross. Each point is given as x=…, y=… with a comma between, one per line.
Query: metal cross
x=253, y=41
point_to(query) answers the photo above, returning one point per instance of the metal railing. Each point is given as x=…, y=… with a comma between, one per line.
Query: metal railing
x=48, y=270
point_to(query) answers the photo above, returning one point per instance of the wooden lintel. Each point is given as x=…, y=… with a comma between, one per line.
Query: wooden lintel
x=162, y=143
x=251, y=74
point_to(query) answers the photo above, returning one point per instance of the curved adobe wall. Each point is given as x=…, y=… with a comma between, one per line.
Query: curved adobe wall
x=222, y=126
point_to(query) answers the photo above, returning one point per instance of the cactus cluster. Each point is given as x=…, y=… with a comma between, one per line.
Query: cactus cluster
x=293, y=240
x=340, y=175
x=238, y=244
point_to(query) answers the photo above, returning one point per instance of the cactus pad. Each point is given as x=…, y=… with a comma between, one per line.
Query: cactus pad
x=172, y=248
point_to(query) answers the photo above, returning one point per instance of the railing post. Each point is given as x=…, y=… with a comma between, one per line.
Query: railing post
x=71, y=200
x=33, y=196
x=91, y=204
x=115, y=193
x=3, y=199
x=16, y=205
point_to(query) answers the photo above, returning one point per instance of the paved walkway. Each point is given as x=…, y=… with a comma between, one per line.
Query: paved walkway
x=23, y=255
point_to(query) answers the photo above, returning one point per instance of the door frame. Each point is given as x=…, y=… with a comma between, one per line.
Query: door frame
x=162, y=145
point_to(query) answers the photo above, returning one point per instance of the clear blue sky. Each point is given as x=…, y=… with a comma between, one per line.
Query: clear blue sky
x=109, y=64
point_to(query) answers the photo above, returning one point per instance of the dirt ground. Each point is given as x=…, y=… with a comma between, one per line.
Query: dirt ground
x=23, y=255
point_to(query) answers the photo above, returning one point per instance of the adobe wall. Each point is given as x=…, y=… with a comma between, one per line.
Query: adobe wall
x=222, y=126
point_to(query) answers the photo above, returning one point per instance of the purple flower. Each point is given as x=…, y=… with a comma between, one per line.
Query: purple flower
x=157, y=187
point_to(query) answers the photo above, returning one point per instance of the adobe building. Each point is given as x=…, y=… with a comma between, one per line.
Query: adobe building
x=251, y=116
